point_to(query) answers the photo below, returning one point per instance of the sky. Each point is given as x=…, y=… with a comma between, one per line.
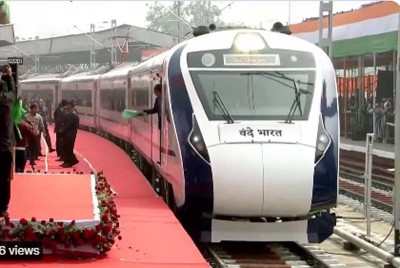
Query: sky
x=56, y=18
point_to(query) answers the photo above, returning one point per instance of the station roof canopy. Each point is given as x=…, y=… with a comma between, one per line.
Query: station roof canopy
x=82, y=42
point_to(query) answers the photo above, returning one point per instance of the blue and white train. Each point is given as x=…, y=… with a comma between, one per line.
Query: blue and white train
x=249, y=144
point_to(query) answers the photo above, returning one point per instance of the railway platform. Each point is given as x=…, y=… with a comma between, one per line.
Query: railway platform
x=151, y=235
x=353, y=221
x=383, y=150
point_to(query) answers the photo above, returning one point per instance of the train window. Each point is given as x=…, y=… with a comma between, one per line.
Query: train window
x=132, y=98
x=253, y=95
x=33, y=94
x=113, y=99
x=142, y=97
x=82, y=98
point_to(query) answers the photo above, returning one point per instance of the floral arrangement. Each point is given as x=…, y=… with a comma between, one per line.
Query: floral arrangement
x=66, y=239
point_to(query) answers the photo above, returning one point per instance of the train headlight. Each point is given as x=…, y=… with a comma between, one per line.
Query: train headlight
x=323, y=141
x=197, y=142
x=323, y=138
x=249, y=41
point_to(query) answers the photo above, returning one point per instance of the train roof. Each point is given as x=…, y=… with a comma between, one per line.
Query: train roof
x=87, y=76
x=50, y=77
x=154, y=62
x=121, y=70
x=42, y=78
x=224, y=40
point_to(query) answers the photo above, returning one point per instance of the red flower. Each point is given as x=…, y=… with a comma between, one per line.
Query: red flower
x=52, y=232
x=107, y=228
x=23, y=221
x=51, y=220
x=43, y=222
x=105, y=218
x=88, y=234
x=61, y=224
x=73, y=222
x=119, y=237
x=33, y=219
x=7, y=219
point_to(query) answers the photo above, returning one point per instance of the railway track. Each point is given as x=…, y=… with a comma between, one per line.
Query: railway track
x=271, y=255
x=352, y=166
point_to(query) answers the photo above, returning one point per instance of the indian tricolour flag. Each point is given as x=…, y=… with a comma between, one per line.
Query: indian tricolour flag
x=370, y=29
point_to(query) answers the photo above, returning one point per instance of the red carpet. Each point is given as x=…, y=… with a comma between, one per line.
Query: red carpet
x=151, y=236
x=44, y=196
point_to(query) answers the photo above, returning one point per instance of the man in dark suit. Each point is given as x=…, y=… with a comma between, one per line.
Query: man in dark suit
x=157, y=104
x=68, y=130
x=58, y=119
x=7, y=98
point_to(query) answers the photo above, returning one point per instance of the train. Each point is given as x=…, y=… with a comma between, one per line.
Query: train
x=249, y=141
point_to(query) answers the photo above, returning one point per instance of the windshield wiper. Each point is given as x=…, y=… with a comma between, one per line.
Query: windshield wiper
x=221, y=106
x=298, y=92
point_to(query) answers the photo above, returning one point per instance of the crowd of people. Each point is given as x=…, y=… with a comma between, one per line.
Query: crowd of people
x=360, y=118
x=35, y=125
x=22, y=137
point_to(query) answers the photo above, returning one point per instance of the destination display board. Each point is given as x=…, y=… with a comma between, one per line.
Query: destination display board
x=268, y=57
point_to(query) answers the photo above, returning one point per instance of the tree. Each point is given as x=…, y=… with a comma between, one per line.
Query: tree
x=202, y=13
x=195, y=13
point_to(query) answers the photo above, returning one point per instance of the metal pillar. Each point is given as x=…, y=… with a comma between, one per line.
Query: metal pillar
x=326, y=42
x=36, y=55
x=93, y=49
x=374, y=96
x=113, y=45
x=396, y=194
x=368, y=180
x=179, y=22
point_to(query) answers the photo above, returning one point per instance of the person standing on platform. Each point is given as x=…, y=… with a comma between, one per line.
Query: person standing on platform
x=30, y=150
x=44, y=113
x=7, y=98
x=47, y=103
x=157, y=104
x=20, y=149
x=58, y=119
x=68, y=130
x=37, y=123
x=25, y=104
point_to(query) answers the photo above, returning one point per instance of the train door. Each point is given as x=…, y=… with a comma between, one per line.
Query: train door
x=165, y=125
x=128, y=106
x=94, y=104
x=156, y=132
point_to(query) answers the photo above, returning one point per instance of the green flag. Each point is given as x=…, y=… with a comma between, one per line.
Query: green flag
x=4, y=13
x=18, y=115
x=127, y=114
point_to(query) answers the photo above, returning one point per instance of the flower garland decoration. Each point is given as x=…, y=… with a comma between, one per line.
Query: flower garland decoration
x=65, y=239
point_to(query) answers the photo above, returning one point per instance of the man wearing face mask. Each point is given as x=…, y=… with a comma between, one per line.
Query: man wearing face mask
x=7, y=97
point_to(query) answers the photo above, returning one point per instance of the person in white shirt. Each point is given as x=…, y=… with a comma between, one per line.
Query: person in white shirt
x=38, y=127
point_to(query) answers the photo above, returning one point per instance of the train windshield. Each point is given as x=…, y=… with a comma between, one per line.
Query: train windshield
x=255, y=95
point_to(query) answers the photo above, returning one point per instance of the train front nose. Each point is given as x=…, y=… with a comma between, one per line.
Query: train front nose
x=262, y=179
x=262, y=175
x=238, y=179
x=288, y=179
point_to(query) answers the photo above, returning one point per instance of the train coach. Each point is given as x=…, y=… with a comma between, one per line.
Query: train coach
x=249, y=142
x=82, y=87
x=45, y=86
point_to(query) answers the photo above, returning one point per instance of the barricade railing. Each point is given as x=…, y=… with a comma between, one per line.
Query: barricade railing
x=368, y=180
